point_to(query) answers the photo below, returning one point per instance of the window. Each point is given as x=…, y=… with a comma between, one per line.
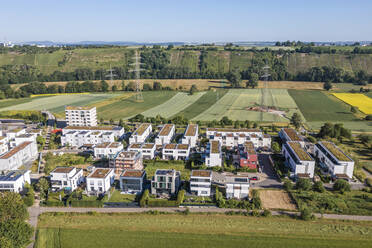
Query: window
x=169, y=179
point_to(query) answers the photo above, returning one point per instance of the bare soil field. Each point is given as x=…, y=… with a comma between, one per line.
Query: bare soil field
x=276, y=199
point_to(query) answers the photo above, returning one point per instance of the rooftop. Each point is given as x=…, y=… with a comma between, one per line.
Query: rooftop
x=99, y=173
x=201, y=173
x=214, y=147
x=165, y=131
x=182, y=146
x=63, y=170
x=300, y=152
x=133, y=173
x=336, y=151
x=15, y=150
x=232, y=130
x=165, y=172
x=142, y=128
x=148, y=145
x=170, y=146
x=12, y=175
x=127, y=154
x=237, y=179
x=191, y=130
x=249, y=147
x=292, y=134
x=135, y=146
x=26, y=135
x=78, y=108
x=96, y=128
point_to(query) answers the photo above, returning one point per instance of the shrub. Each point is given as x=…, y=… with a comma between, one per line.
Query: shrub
x=144, y=198
x=369, y=182
x=306, y=214
x=288, y=185
x=255, y=213
x=180, y=196
x=303, y=184
x=318, y=186
x=29, y=197
x=275, y=147
x=342, y=186
x=266, y=213
x=86, y=204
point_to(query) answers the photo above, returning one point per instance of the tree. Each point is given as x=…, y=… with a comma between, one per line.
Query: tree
x=147, y=87
x=296, y=120
x=29, y=197
x=193, y=89
x=327, y=86
x=144, y=198
x=104, y=86
x=275, y=147
x=288, y=185
x=305, y=214
x=114, y=88
x=12, y=207
x=342, y=186
x=180, y=196
x=121, y=123
x=253, y=80
x=111, y=121
x=303, y=184
x=157, y=86
x=234, y=78
x=43, y=186
x=318, y=186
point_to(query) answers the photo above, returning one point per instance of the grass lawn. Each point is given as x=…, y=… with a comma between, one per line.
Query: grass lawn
x=11, y=102
x=117, y=197
x=152, y=165
x=196, y=230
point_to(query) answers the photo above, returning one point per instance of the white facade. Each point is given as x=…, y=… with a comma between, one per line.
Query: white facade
x=131, y=181
x=15, y=180
x=146, y=149
x=27, y=137
x=237, y=187
x=66, y=178
x=214, y=154
x=176, y=152
x=107, y=149
x=331, y=157
x=190, y=137
x=15, y=132
x=165, y=135
x=141, y=133
x=299, y=161
x=19, y=155
x=100, y=181
x=200, y=182
x=81, y=116
x=3, y=145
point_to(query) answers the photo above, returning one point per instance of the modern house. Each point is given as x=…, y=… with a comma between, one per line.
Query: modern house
x=176, y=152
x=17, y=140
x=334, y=159
x=141, y=133
x=247, y=156
x=190, y=137
x=165, y=182
x=289, y=134
x=67, y=178
x=301, y=164
x=214, y=154
x=11, y=134
x=107, y=149
x=237, y=187
x=132, y=181
x=3, y=145
x=19, y=155
x=15, y=180
x=100, y=181
x=146, y=149
x=200, y=182
x=81, y=116
x=165, y=135
x=124, y=160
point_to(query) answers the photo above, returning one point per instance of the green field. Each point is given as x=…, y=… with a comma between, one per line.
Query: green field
x=196, y=230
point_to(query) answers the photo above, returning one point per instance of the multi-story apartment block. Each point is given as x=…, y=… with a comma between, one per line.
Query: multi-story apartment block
x=81, y=116
x=237, y=187
x=334, y=159
x=301, y=164
x=146, y=149
x=200, y=182
x=15, y=180
x=132, y=181
x=165, y=135
x=141, y=133
x=3, y=145
x=289, y=134
x=19, y=155
x=247, y=156
x=124, y=160
x=214, y=154
x=100, y=181
x=107, y=149
x=190, y=137
x=27, y=137
x=66, y=178
x=176, y=152
x=11, y=134
x=165, y=182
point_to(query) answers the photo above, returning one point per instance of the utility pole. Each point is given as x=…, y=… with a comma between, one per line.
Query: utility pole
x=137, y=70
x=111, y=75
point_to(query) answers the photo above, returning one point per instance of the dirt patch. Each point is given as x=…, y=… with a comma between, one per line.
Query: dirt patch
x=276, y=199
x=269, y=109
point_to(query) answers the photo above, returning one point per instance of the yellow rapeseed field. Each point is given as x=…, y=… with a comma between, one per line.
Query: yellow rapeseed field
x=362, y=102
x=57, y=94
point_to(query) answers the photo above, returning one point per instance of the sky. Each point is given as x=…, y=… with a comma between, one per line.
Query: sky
x=185, y=20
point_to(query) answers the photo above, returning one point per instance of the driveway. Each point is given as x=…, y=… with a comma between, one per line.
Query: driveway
x=268, y=176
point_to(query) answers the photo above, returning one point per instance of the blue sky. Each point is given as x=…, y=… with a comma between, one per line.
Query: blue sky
x=181, y=20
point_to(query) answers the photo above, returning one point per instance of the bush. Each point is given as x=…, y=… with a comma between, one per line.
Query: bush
x=288, y=185
x=342, y=186
x=86, y=204
x=144, y=198
x=180, y=196
x=161, y=203
x=303, y=184
x=255, y=213
x=29, y=197
x=318, y=186
x=306, y=214
x=275, y=147
x=266, y=213
x=369, y=182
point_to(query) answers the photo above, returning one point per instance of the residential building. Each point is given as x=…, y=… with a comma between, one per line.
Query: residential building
x=214, y=154
x=176, y=152
x=165, y=135
x=3, y=145
x=81, y=116
x=132, y=181
x=237, y=186
x=19, y=155
x=11, y=134
x=301, y=164
x=247, y=156
x=146, y=149
x=67, y=178
x=200, y=182
x=334, y=159
x=141, y=133
x=107, y=149
x=27, y=137
x=126, y=160
x=100, y=181
x=15, y=180
x=289, y=134
x=190, y=137
x=165, y=182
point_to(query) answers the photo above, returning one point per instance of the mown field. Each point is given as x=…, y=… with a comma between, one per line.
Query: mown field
x=196, y=230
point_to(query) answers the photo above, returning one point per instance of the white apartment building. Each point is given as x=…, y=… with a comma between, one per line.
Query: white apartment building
x=3, y=145
x=132, y=181
x=200, y=182
x=27, y=137
x=107, y=149
x=165, y=135
x=190, y=137
x=19, y=155
x=334, y=159
x=301, y=164
x=15, y=180
x=237, y=187
x=214, y=154
x=289, y=134
x=11, y=134
x=147, y=150
x=100, y=181
x=141, y=133
x=81, y=116
x=68, y=178
x=176, y=152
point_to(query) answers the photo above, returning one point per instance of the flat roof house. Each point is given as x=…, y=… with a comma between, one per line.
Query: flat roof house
x=107, y=149
x=247, y=156
x=15, y=180
x=126, y=160
x=190, y=137
x=299, y=161
x=68, y=178
x=165, y=182
x=165, y=135
x=334, y=159
x=200, y=182
x=214, y=154
x=289, y=134
x=176, y=152
x=81, y=116
x=131, y=181
x=100, y=181
x=141, y=133
x=19, y=155
x=146, y=149
x=237, y=187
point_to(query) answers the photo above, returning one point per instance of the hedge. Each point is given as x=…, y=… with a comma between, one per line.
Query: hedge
x=54, y=203
x=86, y=204
x=161, y=203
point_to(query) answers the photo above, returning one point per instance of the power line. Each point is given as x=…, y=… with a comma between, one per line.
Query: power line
x=137, y=70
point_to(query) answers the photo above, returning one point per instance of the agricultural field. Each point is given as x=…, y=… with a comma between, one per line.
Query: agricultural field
x=196, y=230
x=362, y=102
